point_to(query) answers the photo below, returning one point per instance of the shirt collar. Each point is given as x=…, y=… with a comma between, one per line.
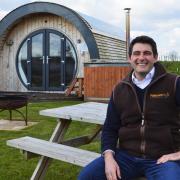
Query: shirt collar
x=147, y=78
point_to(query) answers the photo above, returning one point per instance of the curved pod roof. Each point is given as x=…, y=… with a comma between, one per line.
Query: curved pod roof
x=45, y=7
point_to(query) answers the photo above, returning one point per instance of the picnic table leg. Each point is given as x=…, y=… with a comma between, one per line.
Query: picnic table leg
x=95, y=133
x=44, y=162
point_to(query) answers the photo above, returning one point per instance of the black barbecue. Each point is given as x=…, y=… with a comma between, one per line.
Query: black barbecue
x=13, y=103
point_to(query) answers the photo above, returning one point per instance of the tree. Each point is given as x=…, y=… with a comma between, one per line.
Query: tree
x=173, y=55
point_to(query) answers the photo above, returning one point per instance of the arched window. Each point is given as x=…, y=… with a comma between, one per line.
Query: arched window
x=46, y=60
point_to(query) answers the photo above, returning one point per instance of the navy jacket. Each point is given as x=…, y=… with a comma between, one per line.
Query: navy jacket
x=112, y=123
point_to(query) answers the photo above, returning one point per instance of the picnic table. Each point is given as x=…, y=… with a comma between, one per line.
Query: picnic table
x=57, y=147
x=90, y=112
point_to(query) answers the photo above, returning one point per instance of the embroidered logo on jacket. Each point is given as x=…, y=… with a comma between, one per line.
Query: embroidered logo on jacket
x=159, y=95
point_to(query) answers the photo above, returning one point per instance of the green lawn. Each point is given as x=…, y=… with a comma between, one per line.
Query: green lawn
x=172, y=66
x=12, y=164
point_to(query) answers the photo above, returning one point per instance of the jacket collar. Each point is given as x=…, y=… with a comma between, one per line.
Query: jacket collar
x=159, y=71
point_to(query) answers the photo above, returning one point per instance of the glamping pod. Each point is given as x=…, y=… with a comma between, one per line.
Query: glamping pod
x=44, y=46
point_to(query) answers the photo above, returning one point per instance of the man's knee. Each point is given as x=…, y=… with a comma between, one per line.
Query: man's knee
x=172, y=166
x=90, y=173
x=166, y=171
x=94, y=170
x=84, y=175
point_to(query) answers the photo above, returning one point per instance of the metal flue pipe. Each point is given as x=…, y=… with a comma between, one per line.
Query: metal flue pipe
x=127, y=10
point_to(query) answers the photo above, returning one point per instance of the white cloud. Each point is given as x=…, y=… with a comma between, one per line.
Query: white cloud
x=157, y=18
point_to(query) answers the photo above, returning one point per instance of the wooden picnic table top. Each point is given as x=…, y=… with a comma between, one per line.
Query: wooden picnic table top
x=91, y=112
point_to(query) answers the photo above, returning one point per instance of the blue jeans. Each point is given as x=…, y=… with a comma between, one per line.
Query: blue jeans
x=132, y=167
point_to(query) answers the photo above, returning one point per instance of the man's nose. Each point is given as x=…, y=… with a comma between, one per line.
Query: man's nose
x=141, y=56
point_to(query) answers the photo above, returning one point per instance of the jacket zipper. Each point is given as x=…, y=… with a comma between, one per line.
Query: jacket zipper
x=142, y=128
x=142, y=132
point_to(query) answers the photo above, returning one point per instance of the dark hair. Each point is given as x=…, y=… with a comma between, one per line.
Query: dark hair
x=144, y=40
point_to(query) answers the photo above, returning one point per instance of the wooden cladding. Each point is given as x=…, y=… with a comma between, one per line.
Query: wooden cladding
x=110, y=48
x=27, y=25
x=100, y=80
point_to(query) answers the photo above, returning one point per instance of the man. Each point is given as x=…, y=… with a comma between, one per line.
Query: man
x=141, y=134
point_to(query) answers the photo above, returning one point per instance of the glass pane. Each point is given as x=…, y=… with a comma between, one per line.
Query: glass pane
x=22, y=62
x=54, y=45
x=37, y=61
x=54, y=60
x=70, y=60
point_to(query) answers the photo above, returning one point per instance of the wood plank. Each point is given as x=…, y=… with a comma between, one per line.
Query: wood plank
x=75, y=142
x=111, y=54
x=78, y=141
x=108, y=38
x=87, y=83
x=110, y=43
x=111, y=47
x=109, y=57
x=56, y=151
x=91, y=112
x=70, y=88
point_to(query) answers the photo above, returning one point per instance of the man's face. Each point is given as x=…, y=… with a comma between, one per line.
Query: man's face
x=142, y=59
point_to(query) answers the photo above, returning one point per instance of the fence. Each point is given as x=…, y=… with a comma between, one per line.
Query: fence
x=168, y=58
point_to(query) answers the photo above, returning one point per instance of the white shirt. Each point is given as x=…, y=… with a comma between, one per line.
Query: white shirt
x=146, y=81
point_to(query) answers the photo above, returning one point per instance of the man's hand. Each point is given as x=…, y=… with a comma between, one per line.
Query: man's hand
x=112, y=169
x=169, y=157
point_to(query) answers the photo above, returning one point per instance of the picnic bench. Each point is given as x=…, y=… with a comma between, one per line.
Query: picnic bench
x=57, y=147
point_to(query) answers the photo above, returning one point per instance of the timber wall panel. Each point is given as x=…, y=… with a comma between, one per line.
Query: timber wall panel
x=99, y=81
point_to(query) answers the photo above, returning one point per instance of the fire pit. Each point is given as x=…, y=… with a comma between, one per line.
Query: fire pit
x=14, y=102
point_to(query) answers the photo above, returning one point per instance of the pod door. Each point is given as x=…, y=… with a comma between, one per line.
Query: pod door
x=55, y=61
x=47, y=61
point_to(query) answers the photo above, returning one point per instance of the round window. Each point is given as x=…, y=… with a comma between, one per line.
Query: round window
x=46, y=60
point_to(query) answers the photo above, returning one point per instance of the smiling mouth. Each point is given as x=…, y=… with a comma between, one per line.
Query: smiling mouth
x=142, y=64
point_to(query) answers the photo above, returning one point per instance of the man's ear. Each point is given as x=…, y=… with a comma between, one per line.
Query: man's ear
x=156, y=57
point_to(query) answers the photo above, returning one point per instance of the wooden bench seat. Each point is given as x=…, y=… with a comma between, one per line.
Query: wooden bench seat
x=56, y=151
x=53, y=150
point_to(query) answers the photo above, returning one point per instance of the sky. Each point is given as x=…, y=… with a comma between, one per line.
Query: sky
x=159, y=19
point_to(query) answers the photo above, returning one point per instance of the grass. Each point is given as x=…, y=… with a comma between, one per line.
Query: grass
x=12, y=164
x=172, y=66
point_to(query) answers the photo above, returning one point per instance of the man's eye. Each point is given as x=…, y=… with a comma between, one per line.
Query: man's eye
x=147, y=53
x=136, y=53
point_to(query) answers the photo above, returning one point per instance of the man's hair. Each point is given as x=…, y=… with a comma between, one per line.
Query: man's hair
x=144, y=40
